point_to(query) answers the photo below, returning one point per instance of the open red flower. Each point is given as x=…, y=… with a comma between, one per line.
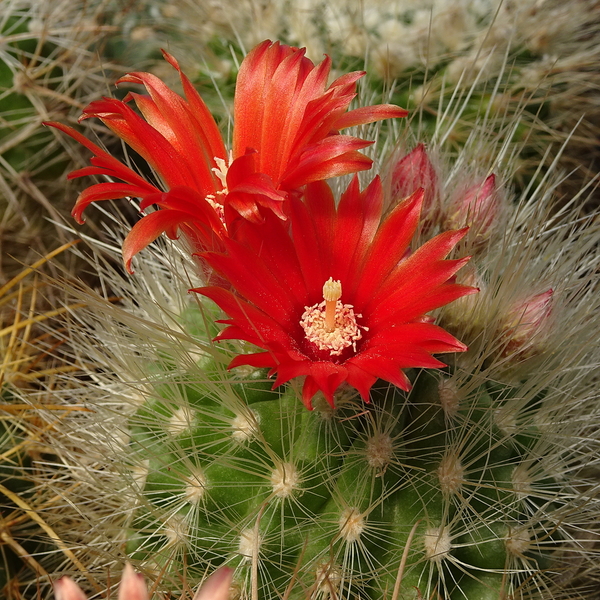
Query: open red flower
x=334, y=295
x=285, y=135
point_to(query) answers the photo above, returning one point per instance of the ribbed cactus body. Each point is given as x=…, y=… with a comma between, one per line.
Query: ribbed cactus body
x=335, y=501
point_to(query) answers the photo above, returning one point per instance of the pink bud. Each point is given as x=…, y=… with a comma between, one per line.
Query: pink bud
x=477, y=208
x=412, y=172
x=132, y=586
x=216, y=587
x=66, y=589
x=527, y=322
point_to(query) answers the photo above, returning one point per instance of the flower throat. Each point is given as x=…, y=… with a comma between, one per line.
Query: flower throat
x=331, y=325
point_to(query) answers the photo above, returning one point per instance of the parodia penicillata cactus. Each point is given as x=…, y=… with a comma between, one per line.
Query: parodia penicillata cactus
x=468, y=479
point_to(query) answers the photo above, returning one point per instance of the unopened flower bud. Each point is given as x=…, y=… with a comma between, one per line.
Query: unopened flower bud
x=412, y=172
x=526, y=324
x=133, y=587
x=461, y=315
x=66, y=589
x=217, y=586
x=478, y=208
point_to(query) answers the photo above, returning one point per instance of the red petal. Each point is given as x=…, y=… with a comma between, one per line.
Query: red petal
x=347, y=82
x=291, y=138
x=200, y=111
x=404, y=343
x=324, y=376
x=255, y=72
x=186, y=200
x=380, y=365
x=170, y=115
x=388, y=247
x=260, y=360
x=253, y=280
x=104, y=191
x=281, y=116
x=289, y=369
x=333, y=156
x=358, y=217
x=422, y=268
x=86, y=171
x=259, y=328
x=308, y=242
x=144, y=139
x=147, y=229
x=360, y=379
x=271, y=244
x=102, y=158
x=408, y=304
x=321, y=116
x=370, y=114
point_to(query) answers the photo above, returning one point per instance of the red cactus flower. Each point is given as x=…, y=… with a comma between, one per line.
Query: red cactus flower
x=333, y=294
x=285, y=135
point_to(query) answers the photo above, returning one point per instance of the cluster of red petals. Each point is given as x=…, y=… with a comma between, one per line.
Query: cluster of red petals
x=277, y=269
x=285, y=135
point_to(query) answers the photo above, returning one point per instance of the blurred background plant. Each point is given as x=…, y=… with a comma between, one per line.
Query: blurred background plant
x=31, y=342
x=51, y=66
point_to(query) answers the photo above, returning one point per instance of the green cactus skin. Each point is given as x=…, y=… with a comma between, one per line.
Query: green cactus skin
x=326, y=502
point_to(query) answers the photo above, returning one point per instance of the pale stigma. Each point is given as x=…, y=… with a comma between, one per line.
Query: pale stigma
x=221, y=173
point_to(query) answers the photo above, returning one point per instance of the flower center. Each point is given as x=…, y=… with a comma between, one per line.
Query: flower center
x=331, y=325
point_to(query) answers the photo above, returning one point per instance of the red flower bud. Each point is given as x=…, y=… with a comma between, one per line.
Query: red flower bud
x=527, y=323
x=412, y=172
x=478, y=208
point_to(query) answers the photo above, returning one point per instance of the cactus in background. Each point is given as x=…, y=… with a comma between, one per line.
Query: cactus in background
x=49, y=69
x=31, y=357
x=476, y=480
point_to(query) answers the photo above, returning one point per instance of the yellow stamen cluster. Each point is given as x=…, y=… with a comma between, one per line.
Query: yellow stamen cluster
x=331, y=325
